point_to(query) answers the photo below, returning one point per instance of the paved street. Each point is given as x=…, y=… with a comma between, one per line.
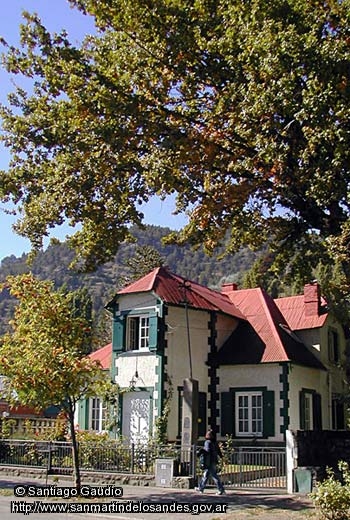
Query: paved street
x=187, y=500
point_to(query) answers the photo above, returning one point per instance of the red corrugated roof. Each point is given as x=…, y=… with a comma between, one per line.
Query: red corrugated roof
x=258, y=307
x=173, y=289
x=103, y=355
x=271, y=338
x=280, y=343
x=293, y=309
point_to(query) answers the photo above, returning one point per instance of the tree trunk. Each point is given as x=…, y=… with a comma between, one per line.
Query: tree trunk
x=75, y=451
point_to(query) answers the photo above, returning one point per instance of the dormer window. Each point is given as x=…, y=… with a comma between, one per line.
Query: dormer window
x=137, y=337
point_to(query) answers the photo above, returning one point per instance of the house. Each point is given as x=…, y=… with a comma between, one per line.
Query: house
x=308, y=316
x=263, y=366
x=91, y=413
x=21, y=412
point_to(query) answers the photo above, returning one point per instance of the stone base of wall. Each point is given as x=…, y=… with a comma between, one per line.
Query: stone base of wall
x=102, y=479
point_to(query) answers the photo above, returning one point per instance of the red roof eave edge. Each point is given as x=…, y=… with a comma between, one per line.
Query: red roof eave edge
x=166, y=286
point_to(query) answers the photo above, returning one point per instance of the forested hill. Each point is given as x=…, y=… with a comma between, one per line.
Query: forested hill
x=53, y=264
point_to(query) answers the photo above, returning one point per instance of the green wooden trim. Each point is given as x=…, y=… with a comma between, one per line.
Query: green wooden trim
x=317, y=411
x=159, y=386
x=83, y=414
x=227, y=426
x=284, y=396
x=268, y=413
x=118, y=334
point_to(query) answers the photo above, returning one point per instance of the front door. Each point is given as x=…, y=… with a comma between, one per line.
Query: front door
x=136, y=416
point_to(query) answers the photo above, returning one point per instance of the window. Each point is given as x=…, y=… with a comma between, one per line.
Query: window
x=338, y=416
x=249, y=413
x=137, y=332
x=333, y=346
x=310, y=410
x=97, y=415
x=308, y=419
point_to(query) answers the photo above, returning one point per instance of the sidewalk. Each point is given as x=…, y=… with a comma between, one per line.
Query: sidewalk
x=241, y=504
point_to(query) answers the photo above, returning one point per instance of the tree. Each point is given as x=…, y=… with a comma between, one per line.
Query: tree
x=145, y=259
x=42, y=358
x=242, y=108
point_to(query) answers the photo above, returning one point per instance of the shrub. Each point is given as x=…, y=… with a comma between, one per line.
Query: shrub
x=332, y=497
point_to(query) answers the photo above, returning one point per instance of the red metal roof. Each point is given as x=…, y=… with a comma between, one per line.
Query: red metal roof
x=174, y=289
x=270, y=338
x=293, y=308
x=258, y=307
x=280, y=343
x=103, y=355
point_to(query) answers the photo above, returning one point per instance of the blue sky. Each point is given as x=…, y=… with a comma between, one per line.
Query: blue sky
x=56, y=15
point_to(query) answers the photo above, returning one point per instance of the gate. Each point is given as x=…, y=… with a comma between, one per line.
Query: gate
x=249, y=467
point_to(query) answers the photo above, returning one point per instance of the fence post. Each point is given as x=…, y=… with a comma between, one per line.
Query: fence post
x=240, y=466
x=291, y=460
x=194, y=461
x=49, y=458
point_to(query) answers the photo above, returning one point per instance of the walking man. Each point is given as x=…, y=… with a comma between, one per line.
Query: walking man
x=212, y=452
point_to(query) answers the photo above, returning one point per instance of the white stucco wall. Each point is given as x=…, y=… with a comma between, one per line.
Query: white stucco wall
x=177, y=355
x=177, y=352
x=225, y=325
x=137, y=301
x=317, y=341
x=247, y=376
x=128, y=363
x=312, y=379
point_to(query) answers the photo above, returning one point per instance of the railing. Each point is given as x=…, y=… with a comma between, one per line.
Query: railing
x=255, y=467
x=108, y=456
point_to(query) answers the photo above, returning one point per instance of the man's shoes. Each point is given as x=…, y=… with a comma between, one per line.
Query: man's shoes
x=199, y=490
x=222, y=492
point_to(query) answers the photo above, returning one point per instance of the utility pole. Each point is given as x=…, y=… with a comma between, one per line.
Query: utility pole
x=185, y=286
x=189, y=431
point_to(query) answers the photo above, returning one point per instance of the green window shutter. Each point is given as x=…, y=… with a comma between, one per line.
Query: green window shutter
x=202, y=414
x=268, y=413
x=119, y=326
x=302, y=409
x=317, y=411
x=227, y=413
x=83, y=414
x=153, y=332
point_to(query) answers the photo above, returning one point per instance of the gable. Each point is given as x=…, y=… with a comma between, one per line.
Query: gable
x=173, y=289
x=293, y=309
x=245, y=346
x=267, y=337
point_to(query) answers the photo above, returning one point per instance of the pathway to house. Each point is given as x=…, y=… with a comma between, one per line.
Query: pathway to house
x=241, y=505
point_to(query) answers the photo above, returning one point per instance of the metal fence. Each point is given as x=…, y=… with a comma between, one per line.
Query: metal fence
x=244, y=467
x=107, y=456
x=255, y=468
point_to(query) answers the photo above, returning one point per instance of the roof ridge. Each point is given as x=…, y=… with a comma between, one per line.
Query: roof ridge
x=271, y=321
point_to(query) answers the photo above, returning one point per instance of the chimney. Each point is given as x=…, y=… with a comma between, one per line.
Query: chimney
x=228, y=287
x=312, y=299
